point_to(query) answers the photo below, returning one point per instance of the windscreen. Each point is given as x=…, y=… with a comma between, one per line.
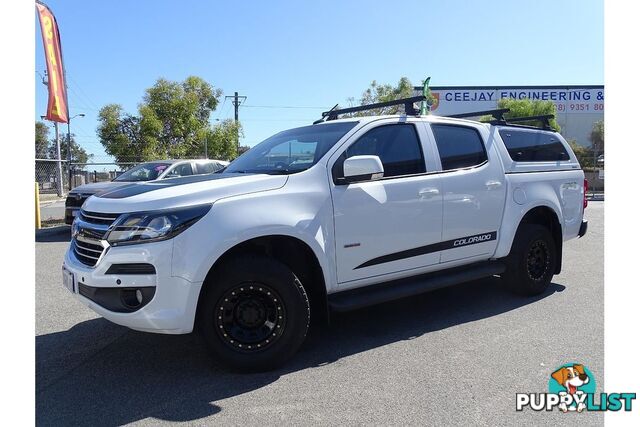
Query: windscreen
x=292, y=150
x=143, y=172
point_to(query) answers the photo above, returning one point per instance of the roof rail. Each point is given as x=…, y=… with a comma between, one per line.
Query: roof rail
x=544, y=119
x=496, y=114
x=409, y=109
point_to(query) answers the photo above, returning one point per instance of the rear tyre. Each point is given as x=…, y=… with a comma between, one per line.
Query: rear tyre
x=255, y=313
x=532, y=261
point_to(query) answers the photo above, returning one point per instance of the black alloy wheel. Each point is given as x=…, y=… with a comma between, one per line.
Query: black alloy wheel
x=532, y=262
x=253, y=312
x=250, y=317
x=538, y=260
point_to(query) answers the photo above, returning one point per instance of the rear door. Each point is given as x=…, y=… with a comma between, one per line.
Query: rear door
x=474, y=191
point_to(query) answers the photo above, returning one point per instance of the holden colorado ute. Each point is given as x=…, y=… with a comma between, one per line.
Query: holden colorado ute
x=334, y=216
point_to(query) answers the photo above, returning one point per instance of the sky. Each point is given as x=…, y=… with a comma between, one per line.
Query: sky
x=309, y=56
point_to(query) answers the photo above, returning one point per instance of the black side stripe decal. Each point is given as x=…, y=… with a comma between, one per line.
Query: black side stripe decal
x=435, y=247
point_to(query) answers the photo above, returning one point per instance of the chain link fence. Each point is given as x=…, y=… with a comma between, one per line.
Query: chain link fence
x=58, y=177
x=53, y=176
x=87, y=173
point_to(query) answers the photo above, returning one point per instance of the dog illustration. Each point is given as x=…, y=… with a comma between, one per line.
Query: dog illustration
x=571, y=377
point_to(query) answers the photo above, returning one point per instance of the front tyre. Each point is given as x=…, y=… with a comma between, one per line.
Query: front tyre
x=532, y=261
x=254, y=314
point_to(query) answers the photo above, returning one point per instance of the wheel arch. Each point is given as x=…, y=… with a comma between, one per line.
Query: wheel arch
x=292, y=251
x=548, y=217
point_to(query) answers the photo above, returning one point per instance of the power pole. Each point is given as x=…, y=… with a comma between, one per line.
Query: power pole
x=237, y=100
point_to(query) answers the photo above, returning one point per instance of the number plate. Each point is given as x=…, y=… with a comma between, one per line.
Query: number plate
x=68, y=280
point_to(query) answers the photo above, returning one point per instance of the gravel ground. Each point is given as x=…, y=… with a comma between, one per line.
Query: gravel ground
x=453, y=356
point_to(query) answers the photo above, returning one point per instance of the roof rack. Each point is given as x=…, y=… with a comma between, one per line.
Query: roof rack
x=544, y=119
x=496, y=114
x=409, y=109
x=499, y=119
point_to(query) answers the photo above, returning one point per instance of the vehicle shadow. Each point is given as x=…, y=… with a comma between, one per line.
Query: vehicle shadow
x=101, y=374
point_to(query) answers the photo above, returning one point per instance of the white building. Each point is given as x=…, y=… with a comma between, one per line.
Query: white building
x=578, y=107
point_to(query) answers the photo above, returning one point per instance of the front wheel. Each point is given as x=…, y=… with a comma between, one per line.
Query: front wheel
x=532, y=261
x=255, y=313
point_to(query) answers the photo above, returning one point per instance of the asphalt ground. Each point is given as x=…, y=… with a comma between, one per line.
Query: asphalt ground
x=455, y=356
x=51, y=210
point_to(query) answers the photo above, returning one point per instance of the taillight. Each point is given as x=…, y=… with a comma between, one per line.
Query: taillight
x=586, y=187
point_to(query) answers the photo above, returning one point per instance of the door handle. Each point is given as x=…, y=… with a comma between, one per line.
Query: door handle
x=427, y=193
x=492, y=185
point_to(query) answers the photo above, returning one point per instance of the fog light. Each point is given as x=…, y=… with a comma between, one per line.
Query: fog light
x=131, y=298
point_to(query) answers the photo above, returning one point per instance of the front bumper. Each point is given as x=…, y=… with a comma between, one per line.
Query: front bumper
x=169, y=302
x=583, y=228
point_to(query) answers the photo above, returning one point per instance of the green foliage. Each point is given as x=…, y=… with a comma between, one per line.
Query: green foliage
x=527, y=107
x=377, y=92
x=78, y=154
x=46, y=147
x=584, y=155
x=597, y=136
x=42, y=140
x=221, y=141
x=172, y=122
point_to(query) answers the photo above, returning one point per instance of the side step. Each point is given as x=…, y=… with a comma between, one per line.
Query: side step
x=402, y=288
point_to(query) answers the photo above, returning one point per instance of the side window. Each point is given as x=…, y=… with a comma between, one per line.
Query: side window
x=204, y=168
x=180, y=170
x=524, y=146
x=459, y=146
x=397, y=146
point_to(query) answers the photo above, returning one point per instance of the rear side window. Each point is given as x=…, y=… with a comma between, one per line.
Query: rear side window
x=180, y=170
x=526, y=146
x=459, y=146
x=397, y=146
x=204, y=168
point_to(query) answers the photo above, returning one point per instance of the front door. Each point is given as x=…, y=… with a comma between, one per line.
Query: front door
x=392, y=224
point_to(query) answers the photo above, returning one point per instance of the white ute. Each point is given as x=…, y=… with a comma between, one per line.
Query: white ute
x=332, y=216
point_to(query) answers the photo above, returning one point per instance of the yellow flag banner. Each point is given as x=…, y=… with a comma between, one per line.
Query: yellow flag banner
x=57, y=108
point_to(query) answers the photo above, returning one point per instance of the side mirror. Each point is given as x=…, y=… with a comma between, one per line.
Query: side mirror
x=362, y=168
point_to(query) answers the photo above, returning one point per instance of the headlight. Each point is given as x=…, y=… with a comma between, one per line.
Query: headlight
x=144, y=227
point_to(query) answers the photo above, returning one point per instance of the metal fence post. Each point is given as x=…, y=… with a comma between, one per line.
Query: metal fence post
x=38, y=222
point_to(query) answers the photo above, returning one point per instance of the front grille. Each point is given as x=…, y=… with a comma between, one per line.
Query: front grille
x=88, y=251
x=99, y=218
x=76, y=200
x=90, y=229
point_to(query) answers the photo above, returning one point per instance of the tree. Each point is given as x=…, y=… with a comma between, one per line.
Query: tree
x=582, y=153
x=377, y=92
x=222, y=140
x=527, y=107
x=597, y=136
x=78, y=154
x=42, y=140
x=172, y=122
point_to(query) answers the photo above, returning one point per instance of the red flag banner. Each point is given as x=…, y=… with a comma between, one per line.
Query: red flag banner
x=57, y=108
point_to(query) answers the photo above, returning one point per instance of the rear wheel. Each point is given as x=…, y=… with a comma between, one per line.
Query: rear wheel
x=532, y=261
x=255, y=313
